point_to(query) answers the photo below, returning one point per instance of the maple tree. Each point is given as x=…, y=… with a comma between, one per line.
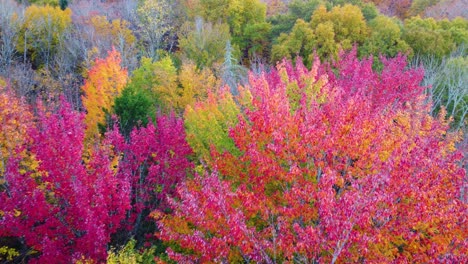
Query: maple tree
x=351, y=159
x=15, y=119
x=105, y=80
x=207, y=124
x=62, y=207
x=154, y=159
x=333, y=167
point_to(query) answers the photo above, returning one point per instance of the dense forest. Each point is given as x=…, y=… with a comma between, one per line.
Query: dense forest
x=233, y=131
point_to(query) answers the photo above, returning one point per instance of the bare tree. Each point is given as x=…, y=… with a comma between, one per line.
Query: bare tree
x=10, y=19
x=448, y=82
x=156, y=23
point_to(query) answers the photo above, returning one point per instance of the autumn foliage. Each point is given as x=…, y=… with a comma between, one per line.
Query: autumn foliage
x=344, y=167
x=154, y=160
x=233, y=131
x=105, y=80
x=15, y=119
x=64, y=208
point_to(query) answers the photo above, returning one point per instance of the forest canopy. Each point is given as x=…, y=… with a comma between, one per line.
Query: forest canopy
x=233, y=131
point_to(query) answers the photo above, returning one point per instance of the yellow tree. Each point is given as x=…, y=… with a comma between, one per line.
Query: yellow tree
x=105, y=80
x=328, y=32
x=175, y=90
x=155, y=22
x=114, y=33
x=195, y=84
x=15, y=118
x=41, y=32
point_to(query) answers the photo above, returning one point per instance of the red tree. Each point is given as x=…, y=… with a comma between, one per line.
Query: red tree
x=154, y=160
x=56, y=202
x=333, y=167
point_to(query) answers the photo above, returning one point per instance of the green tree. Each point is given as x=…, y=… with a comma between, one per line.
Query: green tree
x=238, y=14
x=63, y=4
x=44, y=2
x=348, y=23
x=328, y=32
x=301, y=42
x=427, y=37
x=207, y=124
x=297, y=9
x=203, y=42
x=133, y=107
x=257, y=39
x=385, y=38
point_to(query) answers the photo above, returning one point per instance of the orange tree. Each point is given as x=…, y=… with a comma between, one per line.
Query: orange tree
x=333, y=168
x=105, y=81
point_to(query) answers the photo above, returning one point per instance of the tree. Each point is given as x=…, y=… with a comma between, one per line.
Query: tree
x=238, y=14
x=203, y=43
x=59, y=205
x=165, y=84
x=15, y=119
x=446, y=9
x=349, y=25
x=328, y=172
x=448, y=79
x=297, y=9
x=41, y=32
x=194, y=84
x=428, y=37
x=173, y=90
x=328, y=32
x=300, y=41
x=245, y=15
x=233, y=74
x=385, y=39
x=257, y=40
x=207, y=124
x=399, y=8
x=419, y=6
x=63, y=4
x=9, y=31
x=115, y=33
x=105, y=80
x=154, y=159
x=133, y=107
x=156, y=22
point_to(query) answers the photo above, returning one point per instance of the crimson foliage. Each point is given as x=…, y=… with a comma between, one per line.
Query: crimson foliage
x=334, y=167
x=61, y=205
x=155, y=160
